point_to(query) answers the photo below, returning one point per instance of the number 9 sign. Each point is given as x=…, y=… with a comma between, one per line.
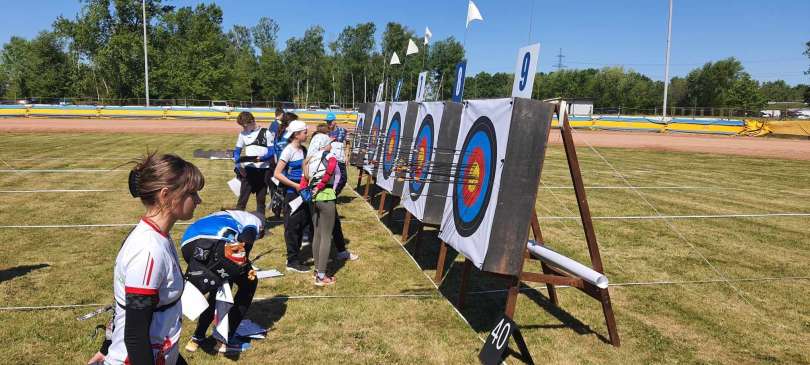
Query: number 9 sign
x=525, y=68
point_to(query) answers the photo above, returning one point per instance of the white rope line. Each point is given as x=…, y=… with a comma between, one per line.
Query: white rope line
x=58, y=191
x=646, y=187
x=396, y=239
x=659, y=283
x=669, y=224
x=665, y=217
x=70, y=171
x=45, y=307
x=651, y=217
x=434, y=295
x=83, y=225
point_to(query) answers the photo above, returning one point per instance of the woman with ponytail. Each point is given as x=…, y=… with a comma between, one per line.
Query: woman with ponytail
x=147, y=279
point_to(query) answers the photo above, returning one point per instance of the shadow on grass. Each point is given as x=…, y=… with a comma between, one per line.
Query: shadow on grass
x=11, y=273
x=486, y=302
x=345, y=199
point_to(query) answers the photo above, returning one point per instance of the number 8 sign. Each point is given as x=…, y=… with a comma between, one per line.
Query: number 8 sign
x=525, y=68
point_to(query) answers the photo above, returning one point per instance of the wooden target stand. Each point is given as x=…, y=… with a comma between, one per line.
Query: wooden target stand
x=550, y=275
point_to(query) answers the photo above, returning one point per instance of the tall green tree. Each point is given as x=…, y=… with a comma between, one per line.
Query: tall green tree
x=303, y=60
x=442, y=59
x=744, y=93
x=353, y=50
x=708, y=85
x=35, y=67
x=807, y=53
x=271, y=80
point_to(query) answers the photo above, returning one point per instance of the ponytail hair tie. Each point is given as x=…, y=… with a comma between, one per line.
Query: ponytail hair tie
x=133, y=183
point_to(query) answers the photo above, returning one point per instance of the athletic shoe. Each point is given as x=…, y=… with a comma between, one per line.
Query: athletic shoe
x=192, y=345
x=233, y=346
x=305, y=243
x=297, y=267
x=326, y=281
x=346, y=255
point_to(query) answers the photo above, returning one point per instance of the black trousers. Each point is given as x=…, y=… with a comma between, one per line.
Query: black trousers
x=241, y=303
x=295, y=224
x=337, y=235
x=254, y=182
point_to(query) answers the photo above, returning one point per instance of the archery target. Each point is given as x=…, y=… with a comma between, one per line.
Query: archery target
x=357, y=138
x=389, y=146
x=474, y=176
x=373, y=136
x=476, y=173
x=422, y=155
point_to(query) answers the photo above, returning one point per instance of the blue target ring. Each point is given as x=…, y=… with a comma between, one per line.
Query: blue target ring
x=372, y=137
x=474, y=177
x=421, y=156
x=391, y=145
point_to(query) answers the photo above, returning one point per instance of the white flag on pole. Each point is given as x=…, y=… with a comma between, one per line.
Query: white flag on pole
x=428, y=35
x=411, y=48
x=394, y=59
x=473, y=13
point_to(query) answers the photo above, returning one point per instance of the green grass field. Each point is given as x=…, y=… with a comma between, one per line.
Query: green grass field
x=384, y=309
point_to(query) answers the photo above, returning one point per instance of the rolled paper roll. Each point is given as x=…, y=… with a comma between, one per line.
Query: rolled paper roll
x=568, y=265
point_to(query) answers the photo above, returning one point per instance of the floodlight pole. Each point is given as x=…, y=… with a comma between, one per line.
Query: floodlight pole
x=666, y=67
x=145, y=54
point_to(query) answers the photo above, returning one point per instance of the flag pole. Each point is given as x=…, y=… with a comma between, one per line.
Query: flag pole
x=145, y=54
x=666, y=68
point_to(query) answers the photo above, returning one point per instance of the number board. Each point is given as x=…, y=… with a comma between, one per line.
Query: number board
x=525, y=68
x=458, y=87
x=497, y=343
x=397, y=90
x=420, y=87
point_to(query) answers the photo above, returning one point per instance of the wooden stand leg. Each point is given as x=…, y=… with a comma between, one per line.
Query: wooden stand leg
x=462, y=290
x=381, y=209
x=406, y=226
x=511, y=297
x=360, y=178
x=610, y=320
x=417, y=245
x=368, y=186
x=440, y=263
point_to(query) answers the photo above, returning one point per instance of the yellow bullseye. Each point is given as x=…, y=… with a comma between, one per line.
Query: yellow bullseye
x=473, y=177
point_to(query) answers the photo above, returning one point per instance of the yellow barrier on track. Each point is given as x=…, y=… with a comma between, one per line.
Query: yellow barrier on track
x=799, y=128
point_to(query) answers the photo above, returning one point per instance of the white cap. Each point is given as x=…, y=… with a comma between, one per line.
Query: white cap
x=295, y=126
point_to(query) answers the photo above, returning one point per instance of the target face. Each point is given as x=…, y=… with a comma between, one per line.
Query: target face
x=391, y=145
x=474, y=176
x=375, y=131
x=421, y=157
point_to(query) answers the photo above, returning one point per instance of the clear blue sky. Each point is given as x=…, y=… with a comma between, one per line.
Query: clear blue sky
x=768, y=36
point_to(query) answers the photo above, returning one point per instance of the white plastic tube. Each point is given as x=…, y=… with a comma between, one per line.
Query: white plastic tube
x=568, y=265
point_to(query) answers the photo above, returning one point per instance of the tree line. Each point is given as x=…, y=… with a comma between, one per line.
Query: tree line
x=98, y=54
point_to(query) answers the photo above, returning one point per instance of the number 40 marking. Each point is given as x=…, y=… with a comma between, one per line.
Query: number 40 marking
x=500, y=334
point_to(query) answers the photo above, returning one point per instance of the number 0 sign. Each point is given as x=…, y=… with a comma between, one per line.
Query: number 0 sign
x=525, y=68
x=458, y=87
